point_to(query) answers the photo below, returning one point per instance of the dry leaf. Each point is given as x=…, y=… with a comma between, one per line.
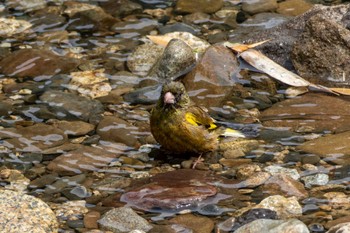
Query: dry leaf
x=243, y=47
x=266, y=65
x=342, y=91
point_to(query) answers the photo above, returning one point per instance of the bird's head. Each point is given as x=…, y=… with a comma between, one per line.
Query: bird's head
x=174, y=95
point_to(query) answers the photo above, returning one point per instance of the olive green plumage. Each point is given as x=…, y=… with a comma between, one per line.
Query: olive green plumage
x=180, y=126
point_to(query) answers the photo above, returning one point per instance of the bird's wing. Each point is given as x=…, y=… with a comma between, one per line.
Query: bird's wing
x=197, y=116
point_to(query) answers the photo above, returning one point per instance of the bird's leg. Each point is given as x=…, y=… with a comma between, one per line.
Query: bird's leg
x=198, y=160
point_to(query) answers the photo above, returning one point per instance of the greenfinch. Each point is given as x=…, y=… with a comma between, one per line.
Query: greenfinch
x=182, y=127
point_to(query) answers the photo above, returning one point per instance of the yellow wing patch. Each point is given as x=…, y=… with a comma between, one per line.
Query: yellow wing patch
x=193, y=120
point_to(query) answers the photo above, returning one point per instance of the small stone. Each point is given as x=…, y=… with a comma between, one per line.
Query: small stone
x=123, y=219
x=273, y=169
x=258, y=6
x=196, y=223
x=280, y=226
x=91, y=218
x=318, y=179
x=205, y=6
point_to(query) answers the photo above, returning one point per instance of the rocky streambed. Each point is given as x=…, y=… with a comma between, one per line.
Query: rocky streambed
x=78, y=80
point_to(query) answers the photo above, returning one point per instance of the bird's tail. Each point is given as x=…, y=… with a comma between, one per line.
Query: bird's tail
x=232, y=133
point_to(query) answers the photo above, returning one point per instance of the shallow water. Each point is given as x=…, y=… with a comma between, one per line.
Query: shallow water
x=29, y=98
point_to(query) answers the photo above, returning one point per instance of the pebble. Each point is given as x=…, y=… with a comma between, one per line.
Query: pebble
x=28, y=214
x=123, y=219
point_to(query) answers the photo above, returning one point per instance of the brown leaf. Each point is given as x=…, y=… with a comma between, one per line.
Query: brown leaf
x=243, y=47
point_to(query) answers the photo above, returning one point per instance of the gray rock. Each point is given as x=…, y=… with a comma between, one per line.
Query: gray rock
x=176, y=60
x=323, y=56
x=318, y=179
x=27, y=214
x=123, y=219
x=285, y=35
x=274, y=169
x=140, y=61
x=69, y=106
x=274, y=226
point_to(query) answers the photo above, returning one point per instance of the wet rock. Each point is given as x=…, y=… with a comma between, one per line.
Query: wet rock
x=111, y=184
x=177, y=58
x=314, y=55
x=179, y=27
x=88, y=17
x=284, y=207
x=274, y=226
x=196, y=18
x=210, y=83
x=15, y=179
x=318, y=179
x=35, y=62
x=64, y=182
x=337, y=200
x=254, y=7
x=90, y=83
x=175, y=190
x=288, y=33
x=81, y=160
x=342, y=227
x=114, y=129
x=283, y=184
x=43, y=181
x=76, y=193
x=197, y=44
x=252, y=215
x=10, y=27
x=310, y=113
x=43, y=22
x=37, y=113
x=195, y=223
x=33, y=138
x=210, y=6
x=257, y=179
x=140, y=61
x=325, y=147
x=74, y=128
x=310, y=159
x=135, y=28
x=69, y=106
x=275, y=169
x=247, y=170
x=28, y=214
x=91, y=218
x=54, y=37
x=123, y=219
x=289, y=7
x=70, y=210
x=121, y=8
x=237, y=148
x=26, y=5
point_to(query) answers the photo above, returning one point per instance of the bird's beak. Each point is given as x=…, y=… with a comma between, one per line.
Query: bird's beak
x=169, y=98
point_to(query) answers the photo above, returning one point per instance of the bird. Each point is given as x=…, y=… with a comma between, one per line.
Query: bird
x=180, y=126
